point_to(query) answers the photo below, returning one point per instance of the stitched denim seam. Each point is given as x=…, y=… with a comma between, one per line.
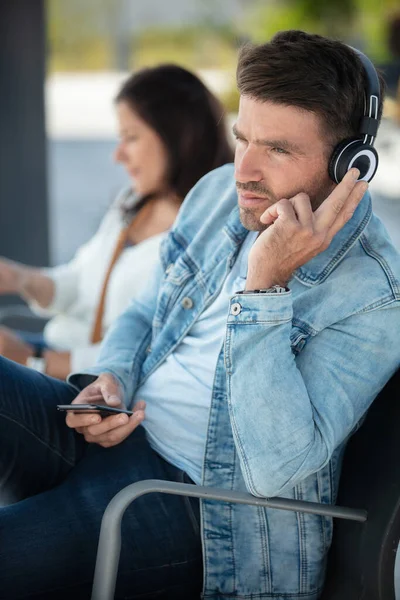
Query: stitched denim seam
x=302, y=542
x=274, y=322
x=37, y=438
x=290, y=595
x=230, y=518
x=383, y=264
x=267, y=570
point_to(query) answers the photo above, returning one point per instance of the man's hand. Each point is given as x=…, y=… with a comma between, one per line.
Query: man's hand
x=108, y=431
x=12, y=347
x=296, y=234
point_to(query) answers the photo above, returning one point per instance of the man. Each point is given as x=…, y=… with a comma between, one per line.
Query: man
x=254, y=391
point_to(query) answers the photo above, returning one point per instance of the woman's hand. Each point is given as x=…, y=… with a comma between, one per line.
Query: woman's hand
x=11, y=277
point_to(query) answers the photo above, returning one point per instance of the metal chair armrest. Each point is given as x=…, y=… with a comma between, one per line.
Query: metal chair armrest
x=109, y=547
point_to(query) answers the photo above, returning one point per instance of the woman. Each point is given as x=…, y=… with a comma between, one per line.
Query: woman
x=172, y=133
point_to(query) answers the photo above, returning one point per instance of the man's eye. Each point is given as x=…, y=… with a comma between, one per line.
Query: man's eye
x=280, y=150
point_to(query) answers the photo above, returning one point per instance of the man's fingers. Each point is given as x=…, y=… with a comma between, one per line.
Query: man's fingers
x=108, y=423
x=327, y=213
x=302, y=207
x=140, y=405
x=111, y=392
x=85, y=397
x=282, y=209
x=116, y=421
x=116, y=434
x=350, y=206
x=75, y=420
x=90, y=392
x=89, y=395
x=113, y=400
x=270, y=215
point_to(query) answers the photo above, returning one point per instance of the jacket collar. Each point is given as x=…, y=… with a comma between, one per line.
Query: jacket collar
x=319, y=267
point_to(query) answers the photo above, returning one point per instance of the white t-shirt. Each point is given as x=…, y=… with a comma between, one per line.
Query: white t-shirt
x=178, y=394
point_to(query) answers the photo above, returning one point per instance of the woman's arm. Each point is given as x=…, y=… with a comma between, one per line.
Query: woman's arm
x=29, y=282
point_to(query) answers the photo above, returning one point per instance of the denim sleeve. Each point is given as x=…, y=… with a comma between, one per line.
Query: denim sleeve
x=123, y=349
x=289, y=413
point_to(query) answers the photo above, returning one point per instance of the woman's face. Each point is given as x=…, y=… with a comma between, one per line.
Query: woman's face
x=141, y=151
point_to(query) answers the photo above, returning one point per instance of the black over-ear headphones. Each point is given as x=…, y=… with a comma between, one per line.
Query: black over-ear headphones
x=359, y=151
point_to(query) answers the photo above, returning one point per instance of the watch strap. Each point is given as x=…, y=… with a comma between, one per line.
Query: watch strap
x=275, y=289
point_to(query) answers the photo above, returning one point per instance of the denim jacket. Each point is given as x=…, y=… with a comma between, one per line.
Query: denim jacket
x=296, y=373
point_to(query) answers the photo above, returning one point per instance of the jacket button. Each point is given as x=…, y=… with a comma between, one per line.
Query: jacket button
x=187, y=302
x=235, y=308
x=148, y=349
x=169, y=268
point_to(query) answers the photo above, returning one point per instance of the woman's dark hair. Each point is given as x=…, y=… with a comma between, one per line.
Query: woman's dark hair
x=311, y=72
x=186, y=115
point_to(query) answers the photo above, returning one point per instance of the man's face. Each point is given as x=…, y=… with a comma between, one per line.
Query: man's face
x=280, y=151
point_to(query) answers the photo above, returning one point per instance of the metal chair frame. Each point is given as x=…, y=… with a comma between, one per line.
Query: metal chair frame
x=110, y=534
x=365, y=541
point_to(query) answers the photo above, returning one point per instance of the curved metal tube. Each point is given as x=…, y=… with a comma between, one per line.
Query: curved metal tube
x=109, y=547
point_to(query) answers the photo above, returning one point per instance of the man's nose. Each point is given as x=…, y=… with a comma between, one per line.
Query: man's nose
x=248, y=165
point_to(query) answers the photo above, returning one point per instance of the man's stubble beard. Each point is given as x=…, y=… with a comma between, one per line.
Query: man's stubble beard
x=250, y=219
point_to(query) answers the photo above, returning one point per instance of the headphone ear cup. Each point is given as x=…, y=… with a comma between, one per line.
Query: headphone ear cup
x=341, y=158
x=353, y=153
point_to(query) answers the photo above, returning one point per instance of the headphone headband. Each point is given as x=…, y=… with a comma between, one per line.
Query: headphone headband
x=369, y=123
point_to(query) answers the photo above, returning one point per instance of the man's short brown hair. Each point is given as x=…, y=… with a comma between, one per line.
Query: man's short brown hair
x=311, y=72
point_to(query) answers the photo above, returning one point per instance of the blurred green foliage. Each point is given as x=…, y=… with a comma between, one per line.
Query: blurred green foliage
x=201, y=47
x=83, y=35
x=230, y=98
x=75, y=35
x=359, y=22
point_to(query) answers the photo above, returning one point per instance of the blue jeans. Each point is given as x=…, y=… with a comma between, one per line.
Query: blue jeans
x=54, y=488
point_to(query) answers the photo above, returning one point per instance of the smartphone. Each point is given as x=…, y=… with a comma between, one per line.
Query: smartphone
x=99, y=409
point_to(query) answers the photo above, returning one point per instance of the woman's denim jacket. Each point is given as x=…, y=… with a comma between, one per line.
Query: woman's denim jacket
x=295, y=375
